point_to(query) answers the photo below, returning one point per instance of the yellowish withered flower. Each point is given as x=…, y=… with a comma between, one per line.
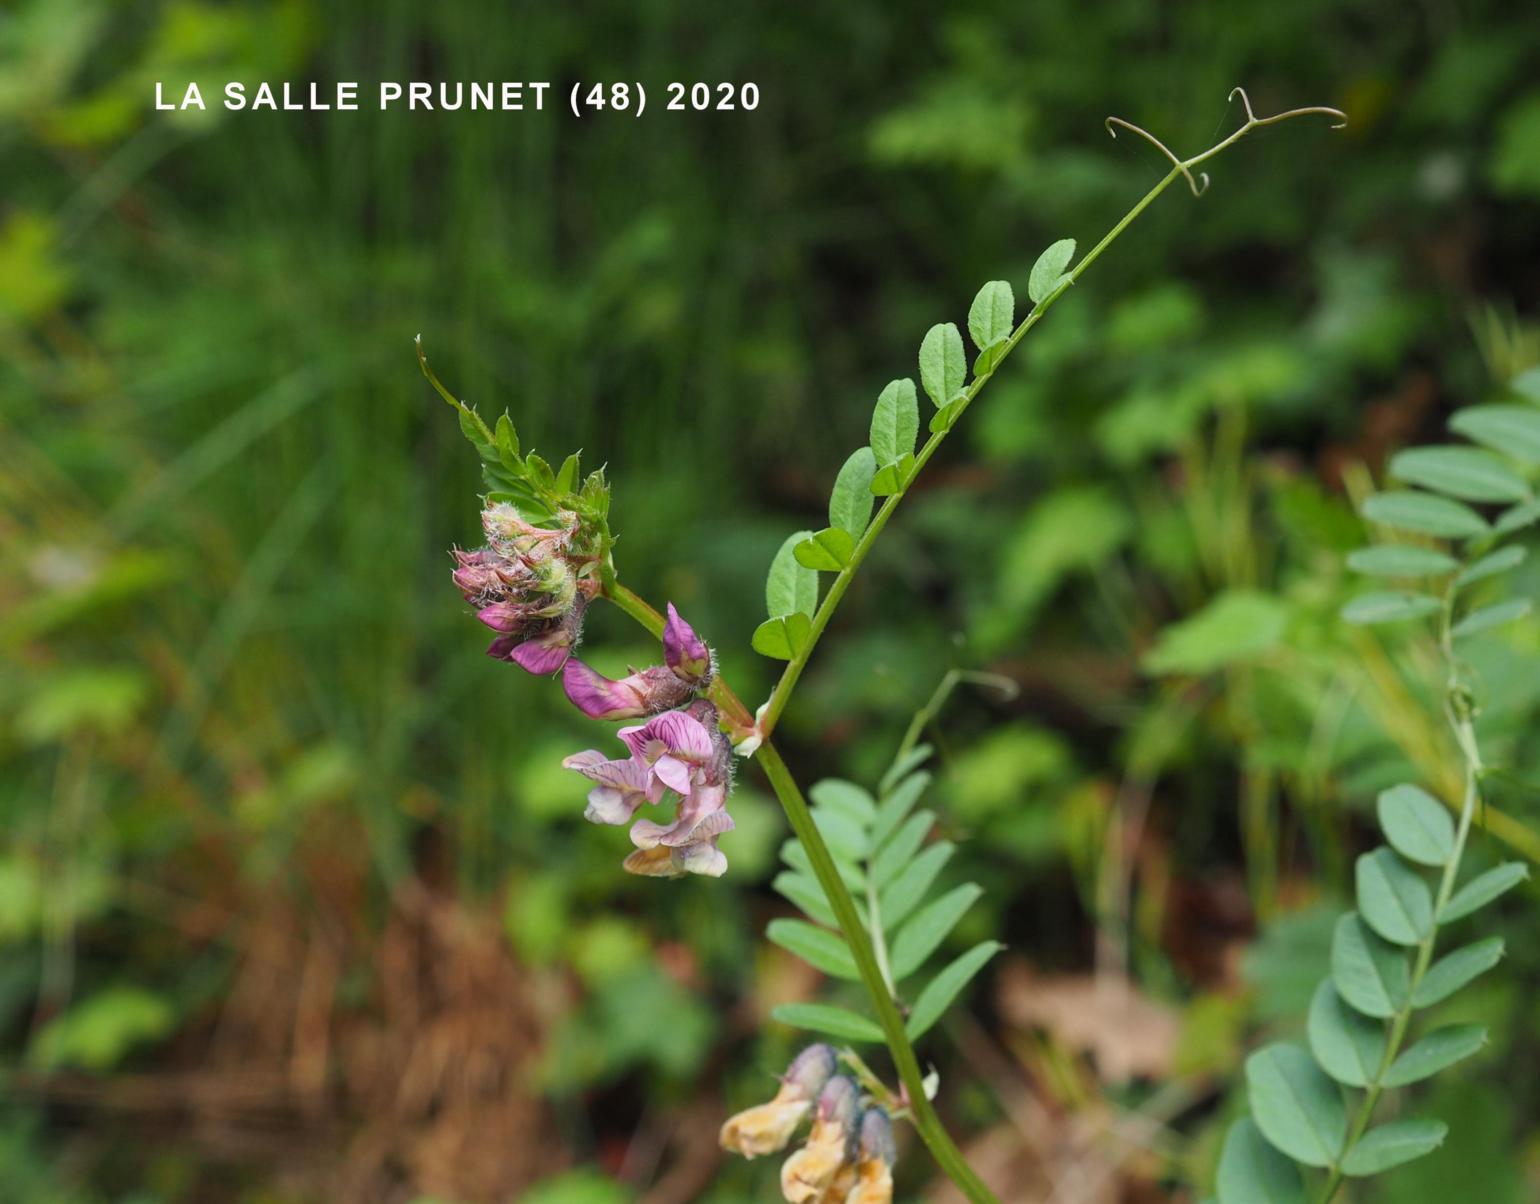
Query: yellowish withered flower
x=874, y=1166
x=767, y=1128
x=809, y=1173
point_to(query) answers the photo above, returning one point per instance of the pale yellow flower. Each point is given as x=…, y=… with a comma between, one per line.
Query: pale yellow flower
x=874, y=1184
x=809, y=1173
x=766, y=1128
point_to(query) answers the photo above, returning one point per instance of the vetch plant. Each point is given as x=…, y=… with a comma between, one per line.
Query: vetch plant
x=1388, y=958
x=859, y=864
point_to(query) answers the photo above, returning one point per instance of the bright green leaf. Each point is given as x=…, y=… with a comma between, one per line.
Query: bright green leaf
x=1462, y=472
x=1516, y=519
x=928, y=927
x=1048, y=271
x=1424, y=513
x=939, y=992
x=943, y=363
x=1491, y=616
x=895, y=421
x=1389, y=607
x=1400, y=560
x=829, y=550
x=891, y=478
x=904, y=893
x=845, y=797
x=826, y=1018
x=791, y=588
x=1236, y=626
x=1513, y=430
x=850, y=505
x=901, y=847
x=1491, y=564
x=818, y=947
x=805, y=893
x=896, y=805
x=992, y=316
x=782, y=638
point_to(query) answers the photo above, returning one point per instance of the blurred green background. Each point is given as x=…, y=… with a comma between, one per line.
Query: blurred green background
x=296, y=903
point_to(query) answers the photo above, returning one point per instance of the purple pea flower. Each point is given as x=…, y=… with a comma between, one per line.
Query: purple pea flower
x=685, y=652
x=643, y=692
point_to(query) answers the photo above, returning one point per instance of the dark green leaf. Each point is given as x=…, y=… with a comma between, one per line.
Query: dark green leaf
x=1491, y=564
x=1425, y=513
x=939, y=992
x=791, y=588
x=1491, y=616
x=992, y=316
x=1389, y=607
x=1441, y=1048
x=1348, y=1045
x=895, y=421
x=1512, y=430
x=818, y=947
x=1393, y=899
x=826, y=1018
x=1400, y=560
x=925, y=931
x=782, y=638
x=943, y=363
x=1462, y=472
x=1454, y=970
x=1391, y=1145
x=904, y=893
x=850, y=505
x=1417, y=824
x=1048, y=271
x=828, y=550
x=1298, y=1108
x=1370, y=974
x=1251, y=1171
x=1482, y=889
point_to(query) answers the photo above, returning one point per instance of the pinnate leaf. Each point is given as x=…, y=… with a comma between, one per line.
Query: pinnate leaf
x=1400, y=560
x=1482, y=889
x=818, y=947
x=904, y=893
x=925, y=931
x=783, y=637
x=1369, y=973
x=791, y=588
x=1389, y=607
x=1491, y=616
x=1462, y=472
x=829, y=550
x=943, y=363
x=850, y=505
x=1392, y=1144
x=939, y=992
x=1425, y=513
x=1416, y=824
x=1295, y=1105
x=1513, y=430
x=1454, y=970
x=1441, y=1048
x=826, y=1018
x=1347, y=1044
x=992, y=316
x=1251, y=1171
x=1048, y=271
x=895, y=421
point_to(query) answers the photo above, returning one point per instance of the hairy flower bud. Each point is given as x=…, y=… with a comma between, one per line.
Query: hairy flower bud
x=685, y=652
x=643, y=692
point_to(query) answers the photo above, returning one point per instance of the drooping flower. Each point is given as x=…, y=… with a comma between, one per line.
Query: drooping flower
x=643, y=692
x=766, y=1128
x=873, y=1177
x=812, y=1170
x=621, y=788
x=685, y=652
x=675, y=746
x=542, y=647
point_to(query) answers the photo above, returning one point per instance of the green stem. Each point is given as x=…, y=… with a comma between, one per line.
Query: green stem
x=1181, y=169
x=922, y=1114
x=1465, y=736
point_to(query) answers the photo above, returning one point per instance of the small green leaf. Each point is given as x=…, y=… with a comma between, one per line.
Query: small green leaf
x=805, y=893
x=904, y=893
x=1388, y=607
x=892, y=478
x=992, y=316
x=943, y=363
x=1441, y=1048
x=1462, y=472
x=845, y=836
x=826, y=1018
x=1482, y=889
x=943, y=418
x=939, y=992
x=1417, y=824
x=850, y=505
x=1048, y=271
x=901, y=847
x=895, y=421
x=904, y=766
x=1491, y=564
x=1452, y=971
x=818, y=947
x=923, y=934
x=1295, y=1105
x=783, y=637
x=1491, y=616
x=1370, y=974
x=1236, y=626
x=791, y=588
x=1512, y=430
x=1516, y=519
x=845, y=797
x=1400, y=560
x=829, y=550
x=1251, y=1171
x=1392, y=1144
x=794, y=855
x=1393, y=899
x=896, y=805
x=1527, y=384
x=1348, y=1045
x=507, y=440
x=567, y=477
x=1424, y=513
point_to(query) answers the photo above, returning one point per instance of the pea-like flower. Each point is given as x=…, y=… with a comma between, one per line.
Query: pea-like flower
x=766, y=1128
x=642, y=692
x=808, y=1174
x=873, y=1170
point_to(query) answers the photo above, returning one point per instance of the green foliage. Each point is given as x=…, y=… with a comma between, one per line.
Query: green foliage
x=1048, y=272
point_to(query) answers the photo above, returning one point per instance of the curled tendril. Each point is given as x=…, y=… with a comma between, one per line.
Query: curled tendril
x=1197, y=185
x=1200, y=182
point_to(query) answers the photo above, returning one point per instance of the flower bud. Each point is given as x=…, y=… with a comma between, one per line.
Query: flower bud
x=768, y=1127
x=646, y=692
x=810, y=1070
x=685, y=652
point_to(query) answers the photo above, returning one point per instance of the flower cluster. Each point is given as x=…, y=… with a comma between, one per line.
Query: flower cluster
x=849, y=1152
x=679, y=751
x=528, y=586
x=531, y=586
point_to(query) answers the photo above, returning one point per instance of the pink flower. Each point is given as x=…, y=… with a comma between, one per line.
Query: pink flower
x=644, y=692
x=621, y=789
x=675, y=746
x=685, y=652
x=541, y=648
